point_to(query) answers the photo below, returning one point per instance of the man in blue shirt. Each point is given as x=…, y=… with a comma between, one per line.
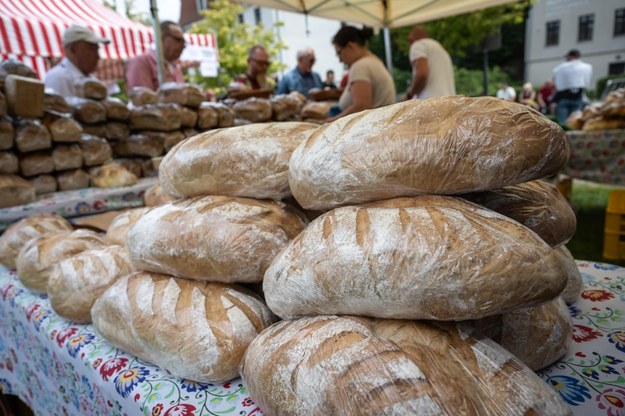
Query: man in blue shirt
x=301, y=78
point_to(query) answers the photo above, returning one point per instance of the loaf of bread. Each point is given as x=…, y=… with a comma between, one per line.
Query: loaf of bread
x=118, y=228
x=225, y=115
x=76, y=282
x=574, y=285
x=142, y=96
x=31, y=135
x=212, y=238
x=117, y=130
x=446, y=145
x=72, y=179
x=22, y=231
x=603, y=123
x=90, y=88
x=131, y=164
x=95, y=150
x=331, y=365
x=428, y=257
x=86, y=110
x=285, y=107
x=160, y=116
x=36, y=163
x=188, y=117
x=44, y=184
x=138, y=145
x=537, y=204
x=250, y=161
x=155, y=196
x=318, y=110
x=15, y=190
x=111, y=175
x=538, y=336
x=9, y=163
x=253, y=109
x=3, y=104
x=116, y=109
x=194, y=330
x=39, y=255
x=181, y=93
x=207, y=116
x=63, y=128
x=67, y=157
x=98, y=129
x=7, y=134
x=55, y=103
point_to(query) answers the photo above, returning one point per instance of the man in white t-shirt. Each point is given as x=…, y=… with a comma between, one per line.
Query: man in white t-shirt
x=570, y=78
x=506, y=92
x=432, y=69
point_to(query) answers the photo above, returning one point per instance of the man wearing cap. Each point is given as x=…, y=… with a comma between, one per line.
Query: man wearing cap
x=81, y=47
x=571, y=78
x=302, y=78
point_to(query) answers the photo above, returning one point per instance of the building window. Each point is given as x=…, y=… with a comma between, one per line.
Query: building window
x=619, y=22
x=241, y=18
x=257, y=15
x=616, y=68
x=553, y=33
x=585, y=27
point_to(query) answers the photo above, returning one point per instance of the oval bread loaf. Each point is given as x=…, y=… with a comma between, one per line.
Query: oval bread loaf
x=537, y=204
x=194, y=330
x=212, y=238
x=155, y=195
x=39, y=255
x=331, y=365
x=574, y=285
x=445, y=145
x=76, y=282
x=118, y=228
x=249, y=161
x=20, y=232
x=428, y=257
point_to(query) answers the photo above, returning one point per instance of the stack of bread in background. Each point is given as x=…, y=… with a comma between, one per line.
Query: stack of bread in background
x=608, y=114
x=397, y=285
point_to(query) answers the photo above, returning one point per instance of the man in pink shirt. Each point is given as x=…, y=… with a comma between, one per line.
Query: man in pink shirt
x=142, y=71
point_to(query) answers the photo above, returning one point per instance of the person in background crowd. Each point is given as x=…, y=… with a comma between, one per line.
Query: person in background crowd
x=527, y=96
x=432, y=68
x=544, y=96
x=81, y=48
x=255, y=78
x=142, y=70
x=329, y=82
x=370, y=85
x=506, y=92
x=570, y=78
x=302, y=78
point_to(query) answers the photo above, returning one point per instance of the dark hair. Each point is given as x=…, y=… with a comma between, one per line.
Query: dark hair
x=165, y=24
x=352, y=34
x=253, y=49
x=329, y=71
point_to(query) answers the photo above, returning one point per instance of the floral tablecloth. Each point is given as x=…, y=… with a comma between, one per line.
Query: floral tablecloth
x=597, y=156
x=60, y=368
x=591, y=376
x=80, y=202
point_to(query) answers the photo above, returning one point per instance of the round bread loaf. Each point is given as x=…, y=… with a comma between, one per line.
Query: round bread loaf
x=537, y=204
x=445, y=145
x=538, y=336
x=428, y=257
x=118, y=228
x=39, y=255
x=331, y=365
x=250, y=161
x=155, y=196
x=76, y=282
x=194, y=330
x=212, y=238
x=574, y=284
x=22, y=231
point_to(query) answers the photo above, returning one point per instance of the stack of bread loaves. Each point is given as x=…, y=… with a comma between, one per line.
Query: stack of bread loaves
x=397, y=242
x=186, y=309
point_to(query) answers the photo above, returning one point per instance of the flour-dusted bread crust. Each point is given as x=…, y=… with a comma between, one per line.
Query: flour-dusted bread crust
x=118, y=228
x=537, y=204
x=574, y=285
x=76, y=282
x=212, y=238
x=156, y=196
x=249, y=161
x=446, y=145
x=39, y=256
x=428, y=257
x=538, y=336
x=194, y=330
x=22, y=231
x=331, y=365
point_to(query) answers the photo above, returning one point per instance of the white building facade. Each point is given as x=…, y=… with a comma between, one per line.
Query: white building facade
x=595, y=27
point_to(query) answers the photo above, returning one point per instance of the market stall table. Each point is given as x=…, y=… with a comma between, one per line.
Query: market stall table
x=597, y=156
x=80, y=202
x=57, y=367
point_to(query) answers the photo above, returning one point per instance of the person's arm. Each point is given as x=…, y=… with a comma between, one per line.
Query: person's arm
x=421, y=71
x=362, y=99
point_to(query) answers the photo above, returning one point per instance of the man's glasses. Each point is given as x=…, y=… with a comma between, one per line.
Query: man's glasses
x=260, y=62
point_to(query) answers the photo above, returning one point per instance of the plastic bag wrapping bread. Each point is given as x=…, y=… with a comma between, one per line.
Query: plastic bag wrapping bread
x=331, y=365
x=250, y=161
x=537, y=204
x=76, y=282
x=574, y=285
x=63, y=128
x=538, y=336
x=181, y=93
x=111, y=175
x=31, y=135
x=86, y=110
x=160, y=116
x=116, y=109
x=22, y=231
x=7, y=134
x=194, y=330
x=155, y=196
x=118, y=228
x=213, y=238
x=39, y=255
x=90, y=88
x=253, y=109
x=446, y=145
x=9, y=163
x=427, y=257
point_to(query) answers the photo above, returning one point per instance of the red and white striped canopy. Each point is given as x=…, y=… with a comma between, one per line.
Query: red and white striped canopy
x=31, y=31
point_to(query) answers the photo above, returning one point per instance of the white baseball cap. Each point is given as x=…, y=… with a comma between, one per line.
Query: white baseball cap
x=77, y=33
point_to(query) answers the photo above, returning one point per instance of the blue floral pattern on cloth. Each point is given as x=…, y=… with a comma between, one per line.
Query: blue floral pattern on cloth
x=591, y=376
x=61, y=368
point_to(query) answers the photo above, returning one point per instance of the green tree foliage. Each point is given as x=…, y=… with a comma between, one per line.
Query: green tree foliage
x=234, y=39
x=130, y=11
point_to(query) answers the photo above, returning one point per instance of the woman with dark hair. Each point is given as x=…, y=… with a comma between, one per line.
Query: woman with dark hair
x=370, y=84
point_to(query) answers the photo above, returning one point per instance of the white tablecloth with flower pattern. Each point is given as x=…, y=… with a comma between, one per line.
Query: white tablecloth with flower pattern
x=597, y=156
x=57, y=367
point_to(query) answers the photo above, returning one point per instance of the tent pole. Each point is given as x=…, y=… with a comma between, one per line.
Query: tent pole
x=158, y=41
x=387, y=49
